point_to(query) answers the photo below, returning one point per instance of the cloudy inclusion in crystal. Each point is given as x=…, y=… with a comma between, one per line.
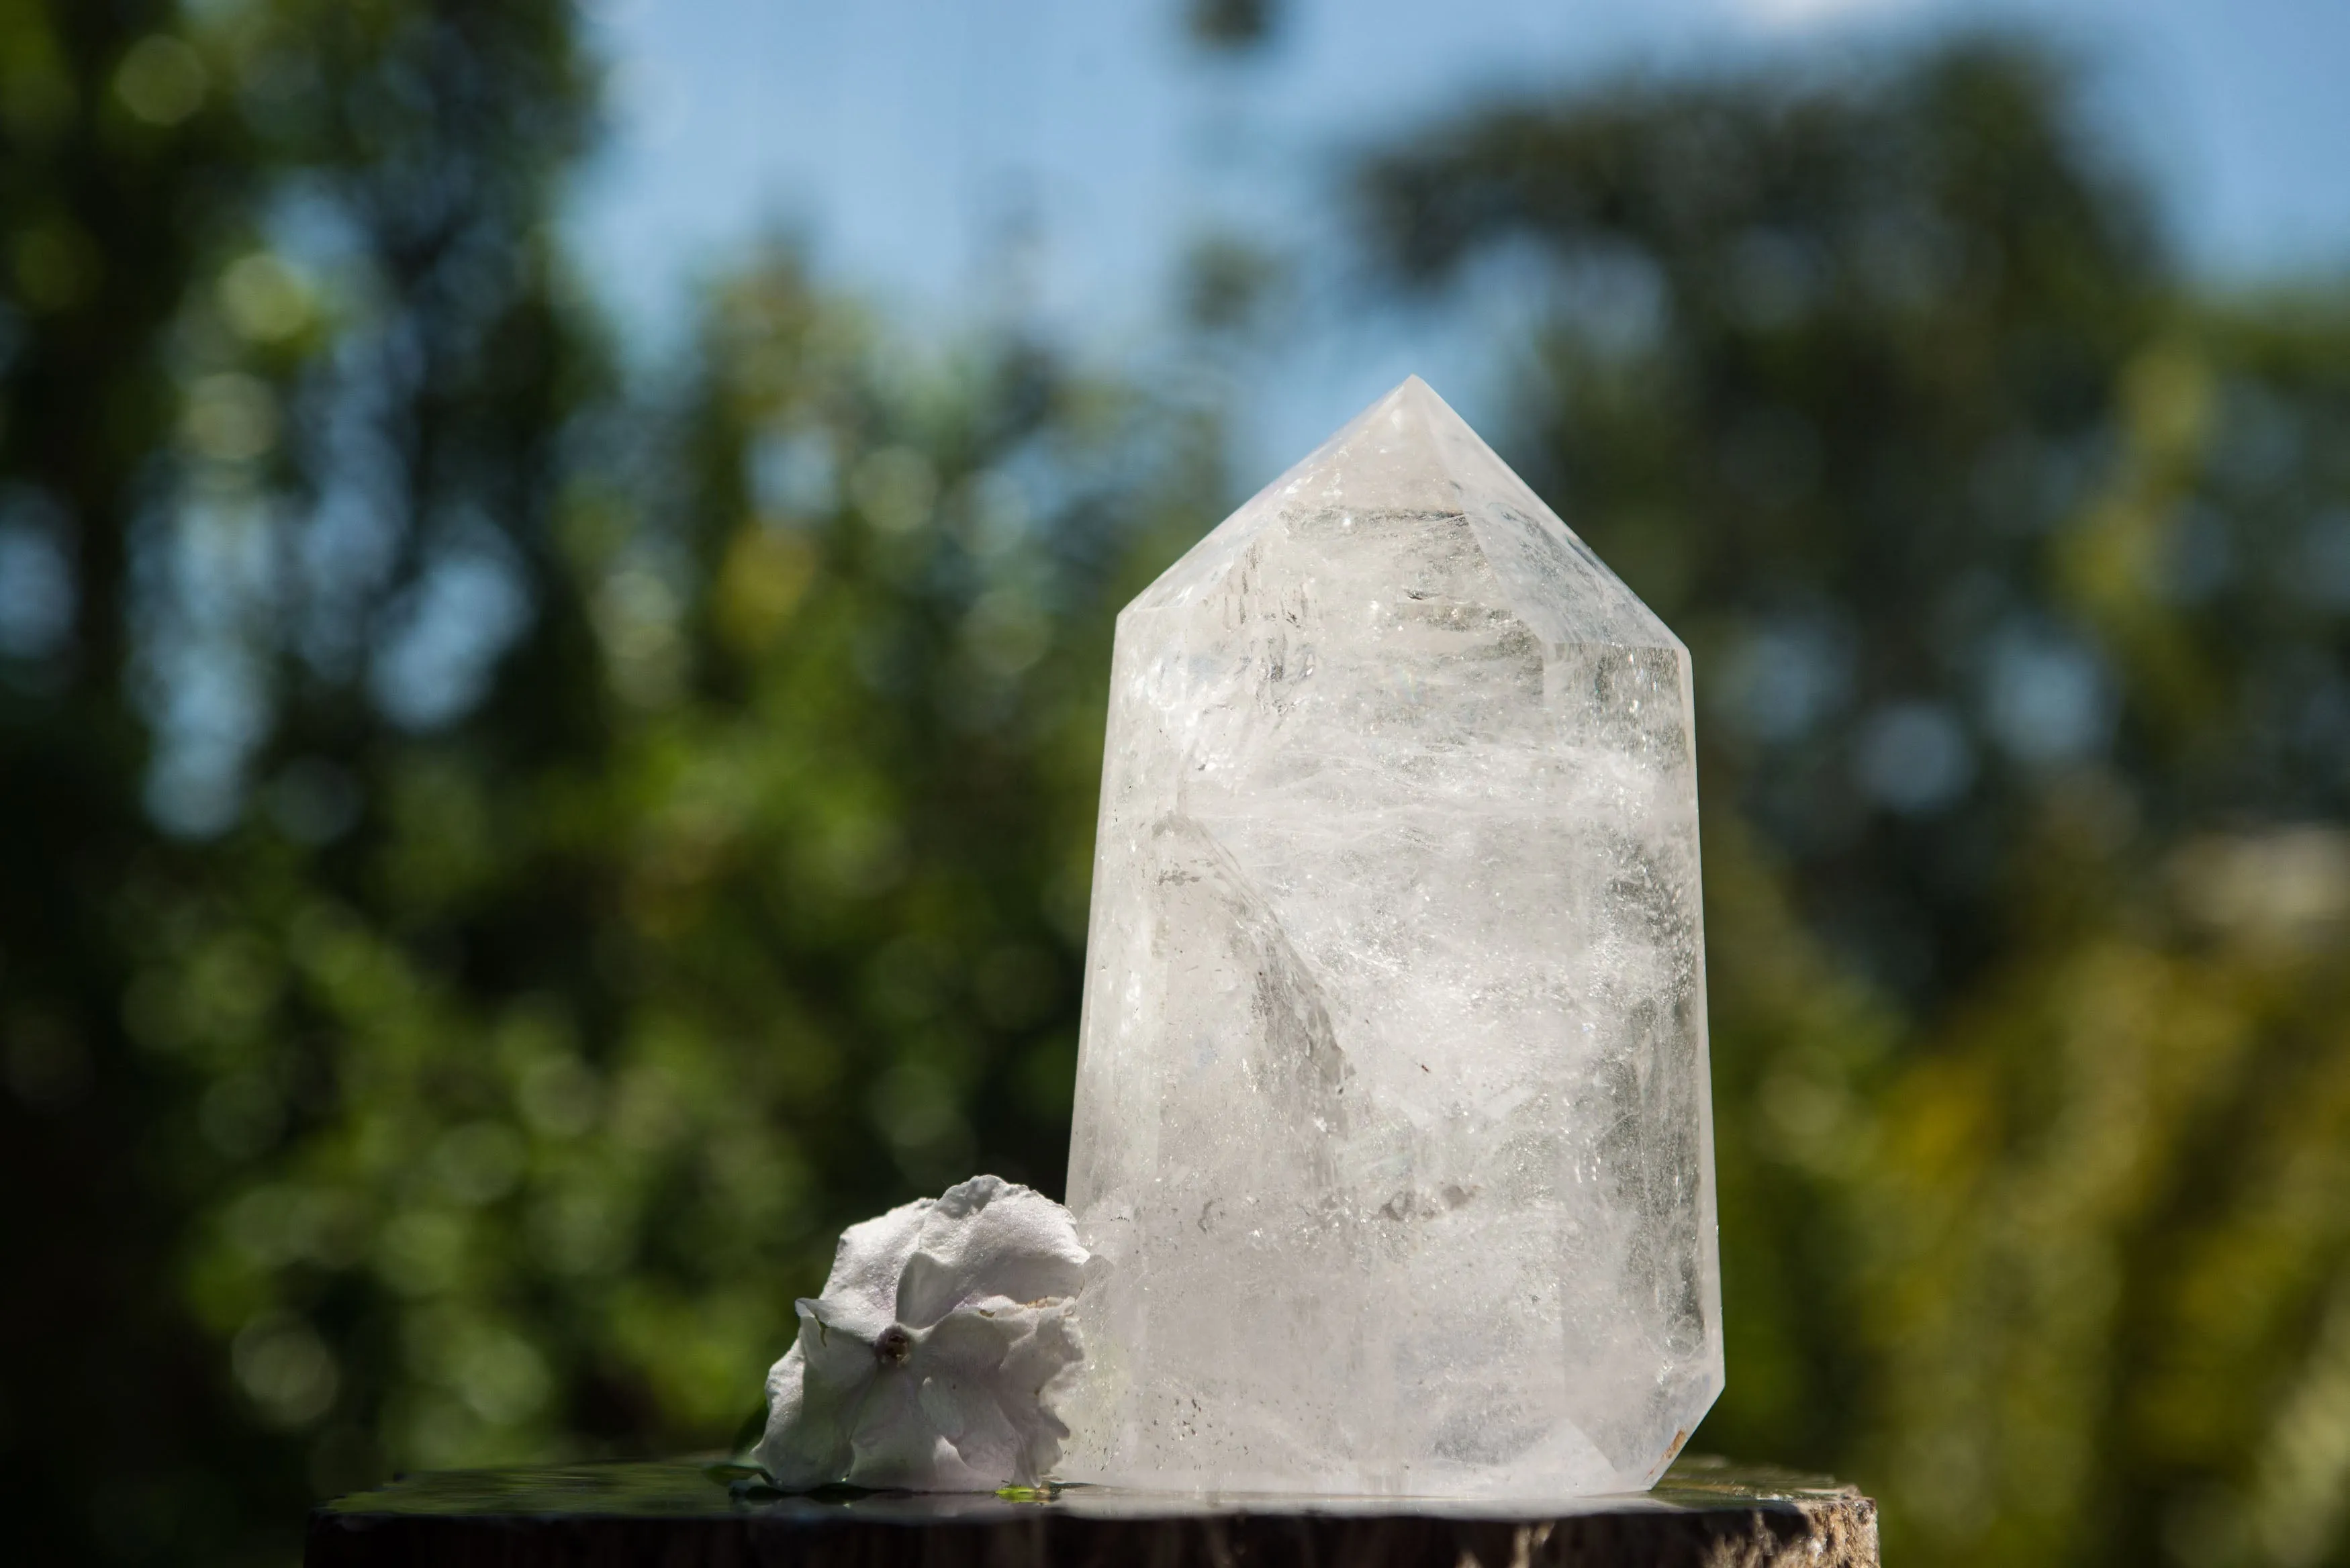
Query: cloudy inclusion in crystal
x=1392, y=1121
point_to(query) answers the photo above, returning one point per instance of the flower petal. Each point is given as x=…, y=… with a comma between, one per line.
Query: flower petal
x=894, y=1443
x=988, y=1237
x=985, y=1370
x=872, y=1257
x=837, y=1338
x=800, y=1448
x=971, y=1419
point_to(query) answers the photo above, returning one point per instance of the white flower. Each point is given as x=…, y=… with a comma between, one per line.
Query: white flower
x=925, y=1362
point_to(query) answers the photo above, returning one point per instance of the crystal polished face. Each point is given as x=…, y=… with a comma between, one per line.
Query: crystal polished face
x=1392, y=1125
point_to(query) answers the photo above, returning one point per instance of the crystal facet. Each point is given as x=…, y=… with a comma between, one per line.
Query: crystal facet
x=1392, y=1123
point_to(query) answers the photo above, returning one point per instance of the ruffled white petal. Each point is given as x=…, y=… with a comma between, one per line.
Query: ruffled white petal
x=871, y=1256
x=988, y=1237
x=799, y=1452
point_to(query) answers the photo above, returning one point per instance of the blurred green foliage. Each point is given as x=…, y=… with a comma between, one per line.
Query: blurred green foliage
x=521, y=1120
x=506, y=855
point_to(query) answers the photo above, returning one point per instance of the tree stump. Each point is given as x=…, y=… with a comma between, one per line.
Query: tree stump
x=685, y=1514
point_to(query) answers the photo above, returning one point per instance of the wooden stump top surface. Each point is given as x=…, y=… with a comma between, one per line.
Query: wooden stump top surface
x=686, y=1514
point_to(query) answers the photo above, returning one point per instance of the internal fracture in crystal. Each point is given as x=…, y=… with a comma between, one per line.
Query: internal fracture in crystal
x=1392, y=1125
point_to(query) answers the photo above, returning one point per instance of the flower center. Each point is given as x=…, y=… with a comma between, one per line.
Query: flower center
x=894, y=1345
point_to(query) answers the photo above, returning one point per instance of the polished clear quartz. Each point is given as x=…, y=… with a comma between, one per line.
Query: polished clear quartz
x=1392, y=1125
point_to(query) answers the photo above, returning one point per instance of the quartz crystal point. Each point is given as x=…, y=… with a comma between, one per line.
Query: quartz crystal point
x=1392, y=1123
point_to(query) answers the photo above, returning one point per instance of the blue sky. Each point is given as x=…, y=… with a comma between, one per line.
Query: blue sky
x=957, y=159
